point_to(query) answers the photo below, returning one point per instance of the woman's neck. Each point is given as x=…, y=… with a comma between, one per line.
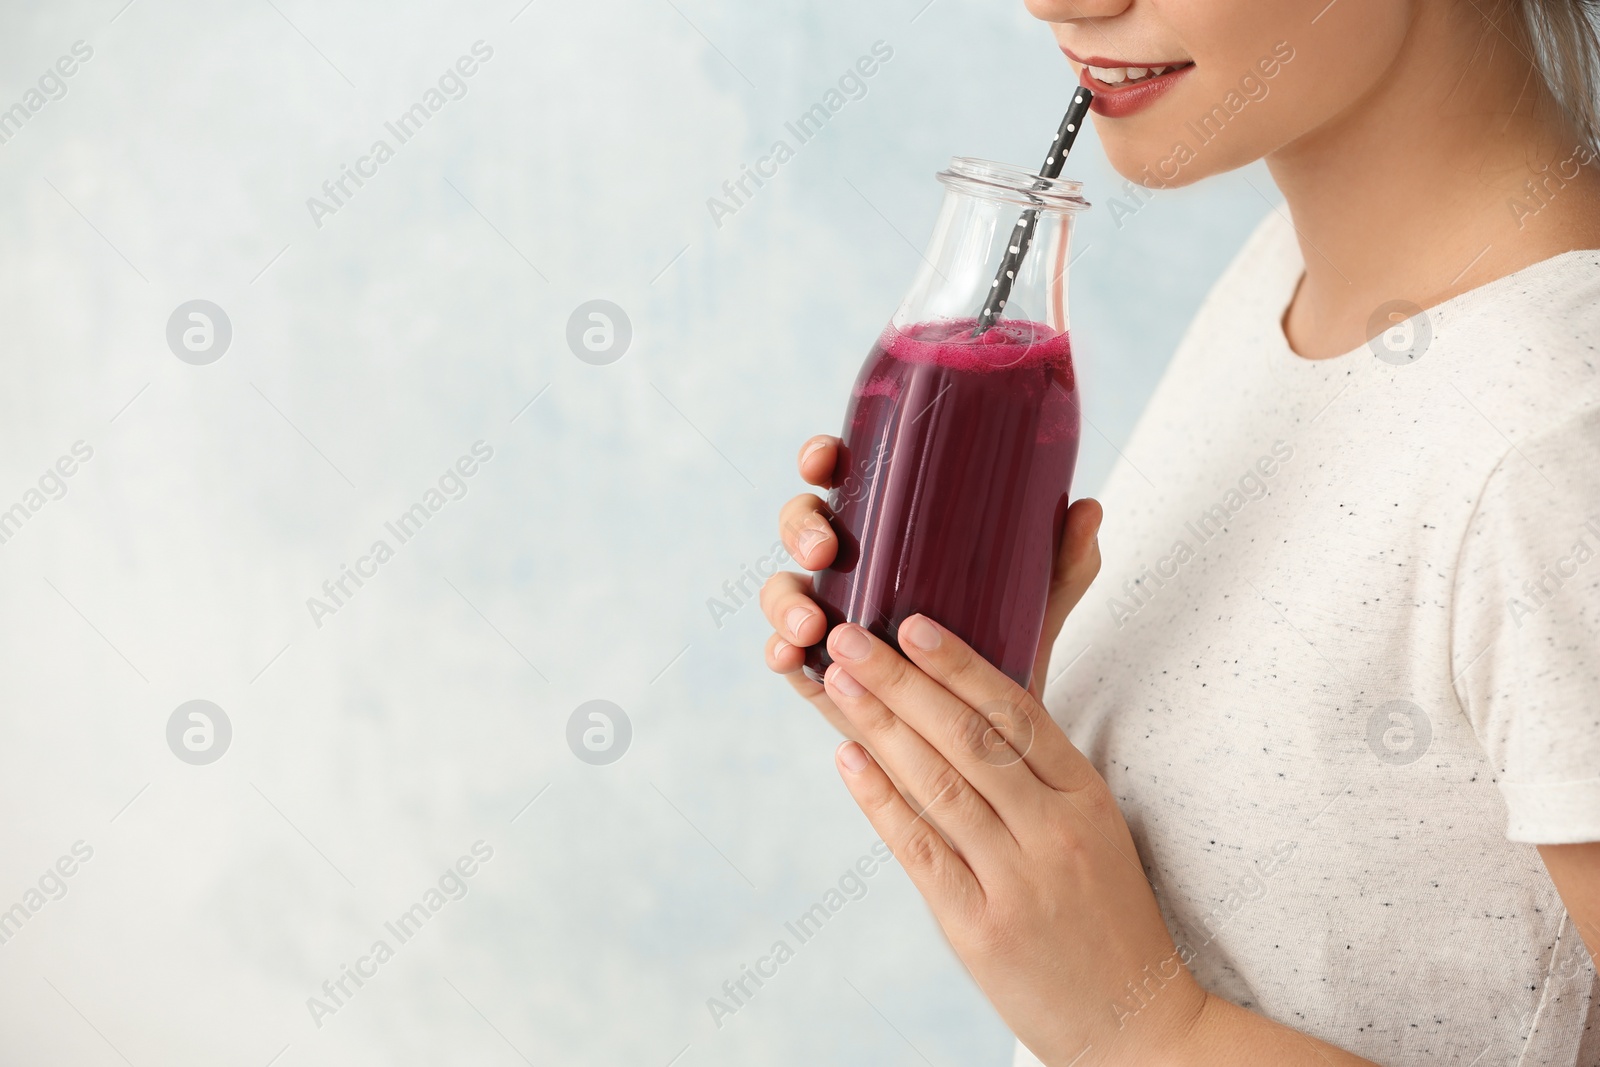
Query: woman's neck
x=1419, y=192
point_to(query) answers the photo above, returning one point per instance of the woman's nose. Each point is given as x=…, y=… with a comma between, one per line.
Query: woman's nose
x=1075, y=10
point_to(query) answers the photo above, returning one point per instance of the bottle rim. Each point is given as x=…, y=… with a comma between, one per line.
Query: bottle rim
x=1012, y=185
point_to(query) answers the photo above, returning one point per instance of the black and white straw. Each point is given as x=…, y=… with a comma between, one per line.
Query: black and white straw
x=1022, y=234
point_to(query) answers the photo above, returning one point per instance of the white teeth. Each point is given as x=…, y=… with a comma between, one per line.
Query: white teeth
x=1118, y=75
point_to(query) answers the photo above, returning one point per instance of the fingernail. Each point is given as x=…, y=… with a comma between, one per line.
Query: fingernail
x=797, y=618
x=843, y=682
x=921, y=633
x=811, y=450
x=850, y=642
x=808, y=540
x=779, y=647
x=853, y=756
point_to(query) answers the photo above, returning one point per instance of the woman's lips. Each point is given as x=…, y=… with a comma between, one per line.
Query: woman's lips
x=1119, y=100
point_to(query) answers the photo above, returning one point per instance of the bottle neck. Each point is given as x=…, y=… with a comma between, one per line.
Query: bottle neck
x=971, y=238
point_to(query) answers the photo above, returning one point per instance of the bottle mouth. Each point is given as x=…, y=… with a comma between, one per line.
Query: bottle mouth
x=1012, y=185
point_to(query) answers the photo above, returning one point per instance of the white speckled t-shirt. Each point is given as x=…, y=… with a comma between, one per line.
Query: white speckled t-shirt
x=1341, y=666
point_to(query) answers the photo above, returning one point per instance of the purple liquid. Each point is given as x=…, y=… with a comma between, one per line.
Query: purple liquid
x=952, y=487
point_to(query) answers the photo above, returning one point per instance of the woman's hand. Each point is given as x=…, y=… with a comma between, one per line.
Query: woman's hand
x=1016, y=843
x=1006, y=829
x=786, y=597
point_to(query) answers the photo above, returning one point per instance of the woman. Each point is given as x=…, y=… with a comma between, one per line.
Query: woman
x=1323, y=780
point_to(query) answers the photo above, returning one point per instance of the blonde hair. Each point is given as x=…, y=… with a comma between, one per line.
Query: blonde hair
x=1565, y=35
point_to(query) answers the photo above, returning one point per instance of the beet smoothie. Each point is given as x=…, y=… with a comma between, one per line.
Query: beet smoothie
x=953, y=479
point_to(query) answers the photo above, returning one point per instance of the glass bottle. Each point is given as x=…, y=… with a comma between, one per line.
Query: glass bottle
x=959, y=441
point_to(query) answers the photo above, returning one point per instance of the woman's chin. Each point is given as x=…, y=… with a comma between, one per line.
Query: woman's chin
x=1166, y=159
x=1148, y=161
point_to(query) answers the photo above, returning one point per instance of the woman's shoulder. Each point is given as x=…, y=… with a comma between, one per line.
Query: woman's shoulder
x=1528, y=343
x=1242, y=309
x=1266, y=268
x=1559, y=292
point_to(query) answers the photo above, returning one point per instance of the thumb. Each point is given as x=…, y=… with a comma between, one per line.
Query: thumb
x=1076, y=564
x=1077, y=558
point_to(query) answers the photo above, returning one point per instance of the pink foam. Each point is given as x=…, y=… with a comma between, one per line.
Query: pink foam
x=1008, y=345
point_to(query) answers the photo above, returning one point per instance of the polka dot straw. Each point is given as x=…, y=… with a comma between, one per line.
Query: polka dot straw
x=1022, y=236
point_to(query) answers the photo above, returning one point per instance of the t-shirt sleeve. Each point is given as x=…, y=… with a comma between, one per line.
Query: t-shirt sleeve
x=1526, y=631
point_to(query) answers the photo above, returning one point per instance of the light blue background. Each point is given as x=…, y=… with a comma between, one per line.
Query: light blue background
x=370, y=753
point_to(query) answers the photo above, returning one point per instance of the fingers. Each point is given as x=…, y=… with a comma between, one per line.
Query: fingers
x=940, y=790
x=786, y=602
x=807, y=534
x=783, y=657
x=1028, y=729
x=818, y=458
x=939, y=874
x=962, y=736
x=787, y=660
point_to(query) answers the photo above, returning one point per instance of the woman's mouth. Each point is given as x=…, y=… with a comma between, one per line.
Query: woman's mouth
x=1122, y=89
